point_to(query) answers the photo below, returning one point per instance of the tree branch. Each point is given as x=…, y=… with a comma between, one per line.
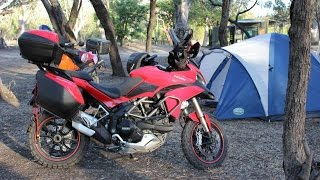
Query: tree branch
x=240, y=27
x=236, y=21
x=215, y=4
x=239, y=13
x=6, y=4
x=58, y=20
x=74, y=13
x=54, y=23
x=5, y=12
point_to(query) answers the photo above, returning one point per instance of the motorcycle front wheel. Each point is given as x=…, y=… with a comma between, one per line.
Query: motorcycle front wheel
x=56, y=143
x=201, y=150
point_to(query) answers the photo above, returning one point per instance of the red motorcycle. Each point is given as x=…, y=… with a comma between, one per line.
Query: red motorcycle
x=69, y=108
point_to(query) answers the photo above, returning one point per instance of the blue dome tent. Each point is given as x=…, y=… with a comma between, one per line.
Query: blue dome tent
x=249, y=79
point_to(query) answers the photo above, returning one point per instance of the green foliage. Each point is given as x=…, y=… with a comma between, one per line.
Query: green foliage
x=9, y=27
x=281, y=11
x=33, y=13
x=202, y=14
x=198, y=33
x=91, y=29
x=238, y=6
x=166, y=11
x=129, y=18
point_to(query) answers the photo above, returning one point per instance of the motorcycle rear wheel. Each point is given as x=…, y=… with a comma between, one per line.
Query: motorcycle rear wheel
x=207, y=152
x=56, y=144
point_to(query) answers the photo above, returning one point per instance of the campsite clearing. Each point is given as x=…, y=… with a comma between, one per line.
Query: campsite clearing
x=255, y=146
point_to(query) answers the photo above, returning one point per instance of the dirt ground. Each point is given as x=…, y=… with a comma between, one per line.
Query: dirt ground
x=255, y=146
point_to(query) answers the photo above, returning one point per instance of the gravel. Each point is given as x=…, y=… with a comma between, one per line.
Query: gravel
x=255, y=146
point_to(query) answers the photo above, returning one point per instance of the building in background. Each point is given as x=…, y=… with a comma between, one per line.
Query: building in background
x=254, y=27
x=257, y=27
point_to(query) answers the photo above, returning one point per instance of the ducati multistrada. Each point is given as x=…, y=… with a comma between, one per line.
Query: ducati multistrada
x=69, y=109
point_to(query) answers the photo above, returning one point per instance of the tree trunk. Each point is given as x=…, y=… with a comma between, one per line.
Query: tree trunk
x=151, y=24
x=59, y=21
x=296, y=159
x=166, y=32
x=104, y=17
x=22, y=25
x=74, y=13
x=206, y=36
x=182, y=13
x=2, y=42
x=318, y=16
x=235, y=22
x=223, y=37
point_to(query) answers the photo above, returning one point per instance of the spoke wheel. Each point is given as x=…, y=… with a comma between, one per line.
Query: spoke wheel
x=56, y=143
x=204, y=150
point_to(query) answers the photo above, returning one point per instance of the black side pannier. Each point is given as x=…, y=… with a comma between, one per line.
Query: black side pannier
x=55, y=98
x=98, y=45
x=38, y=46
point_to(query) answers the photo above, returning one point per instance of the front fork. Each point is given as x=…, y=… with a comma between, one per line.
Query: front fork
x=198, y=116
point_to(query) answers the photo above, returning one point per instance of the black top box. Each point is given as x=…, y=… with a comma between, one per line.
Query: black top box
x=99, y=46
x=38, y=46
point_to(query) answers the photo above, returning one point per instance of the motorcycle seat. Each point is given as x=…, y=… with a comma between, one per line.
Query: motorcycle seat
x=79, y=74
x=119, y=89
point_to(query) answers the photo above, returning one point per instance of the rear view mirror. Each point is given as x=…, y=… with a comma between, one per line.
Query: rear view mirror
x=187, y=36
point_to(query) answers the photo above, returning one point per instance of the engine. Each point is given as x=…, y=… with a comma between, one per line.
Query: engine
x=139, y=126
x=142, y=117
x=129, y=131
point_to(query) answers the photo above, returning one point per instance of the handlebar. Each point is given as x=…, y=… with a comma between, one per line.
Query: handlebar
x=90, y=69
x=187, y=37
x=68, y=48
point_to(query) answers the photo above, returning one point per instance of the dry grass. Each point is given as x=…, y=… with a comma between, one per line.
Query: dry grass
x=7, y=95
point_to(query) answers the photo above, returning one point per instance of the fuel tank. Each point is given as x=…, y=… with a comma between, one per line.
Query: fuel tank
x=160, y=78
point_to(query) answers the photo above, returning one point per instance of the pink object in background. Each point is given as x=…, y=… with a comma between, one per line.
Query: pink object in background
x=89, y=56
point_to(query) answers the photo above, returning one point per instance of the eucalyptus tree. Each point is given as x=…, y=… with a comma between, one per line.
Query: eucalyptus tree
x=103, y=15
x=225, y=15
x=280, y=10
x=298, y=159
x=128, y=16
x=62, y=26
x=317, y=15
x=182, y=8
x=151, y=24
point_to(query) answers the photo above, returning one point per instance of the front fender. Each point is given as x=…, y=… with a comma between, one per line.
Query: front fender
x=194, y=117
